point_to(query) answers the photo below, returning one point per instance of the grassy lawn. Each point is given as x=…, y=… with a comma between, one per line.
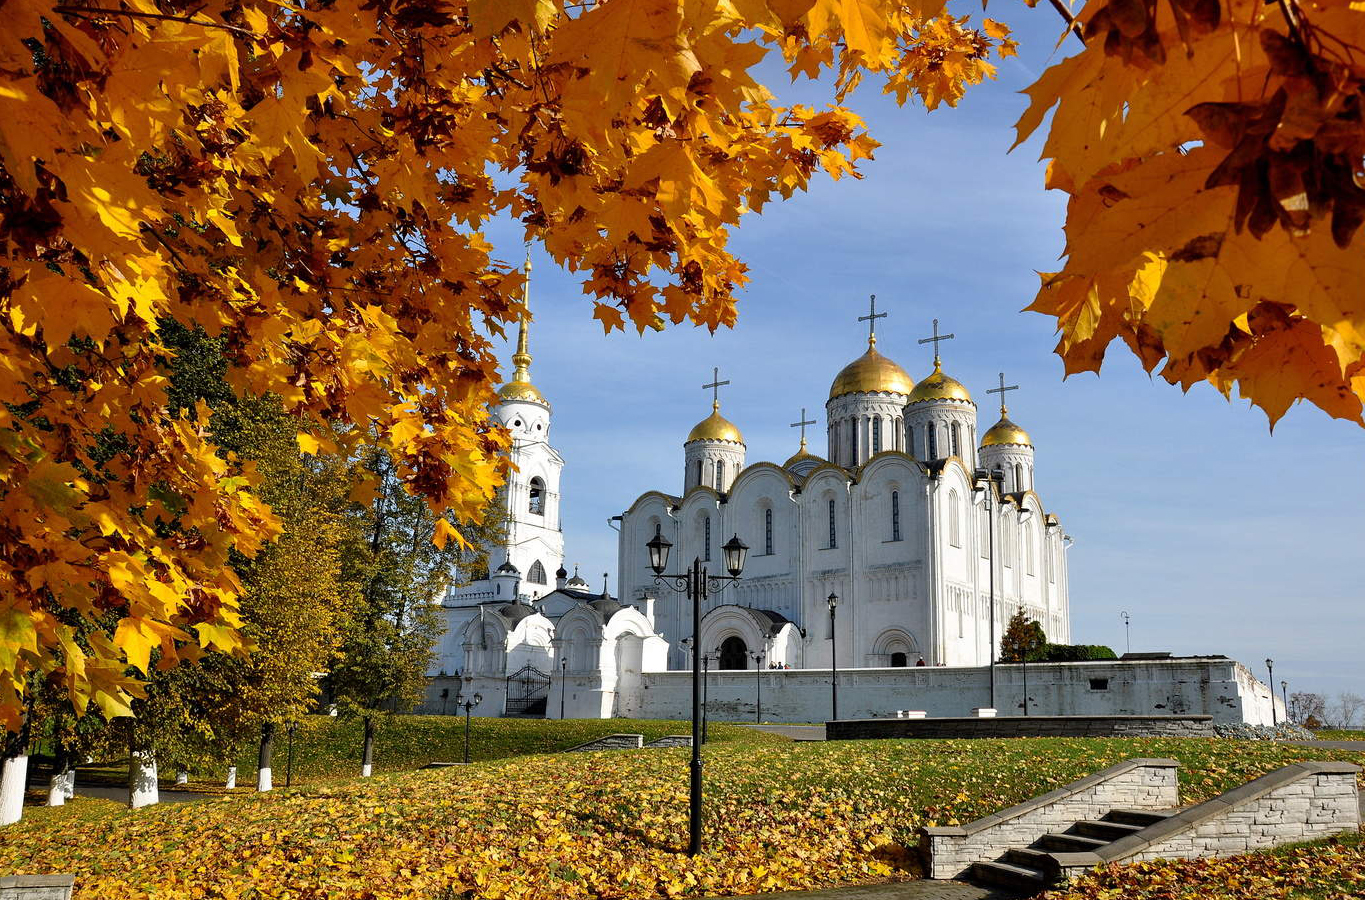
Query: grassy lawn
x=1339, y=734
x=611, y=825
x=1324, y=870
x=327, y=748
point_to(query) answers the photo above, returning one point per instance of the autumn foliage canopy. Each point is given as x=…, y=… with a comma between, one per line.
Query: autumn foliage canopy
x=311, y=181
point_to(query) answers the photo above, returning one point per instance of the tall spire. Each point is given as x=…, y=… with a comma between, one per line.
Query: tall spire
x=522, y=358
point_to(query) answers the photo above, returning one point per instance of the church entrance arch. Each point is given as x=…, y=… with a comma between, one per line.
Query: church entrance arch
x=734, y=653
x=894, y=647
x=899, y=660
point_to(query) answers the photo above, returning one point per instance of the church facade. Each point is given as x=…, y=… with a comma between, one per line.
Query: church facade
x=909, y=519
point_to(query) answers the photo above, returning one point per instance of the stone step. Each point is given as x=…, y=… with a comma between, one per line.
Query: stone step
x=1028, y=858
x=1008, y=875
x=1068, y=843
x=1110, y=831
x=1143, y=817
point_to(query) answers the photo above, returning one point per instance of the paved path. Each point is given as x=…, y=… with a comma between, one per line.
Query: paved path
x=113, y=792
x=907, y=890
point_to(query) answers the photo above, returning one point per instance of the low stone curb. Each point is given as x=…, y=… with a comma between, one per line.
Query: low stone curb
x=36, y=887
x=610, y=742
x=671, y=740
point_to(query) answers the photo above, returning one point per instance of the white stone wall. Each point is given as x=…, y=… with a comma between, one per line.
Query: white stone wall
x=1132, y=785
x=1205, y=687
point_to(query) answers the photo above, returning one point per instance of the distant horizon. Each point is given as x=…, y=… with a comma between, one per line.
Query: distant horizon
x=1215, y=536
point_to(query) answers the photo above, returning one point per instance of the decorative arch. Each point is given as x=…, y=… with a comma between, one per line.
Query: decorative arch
x=734, y=654
x=537, y=573
x=954, y=518
x=895, y=644
x=535, y=503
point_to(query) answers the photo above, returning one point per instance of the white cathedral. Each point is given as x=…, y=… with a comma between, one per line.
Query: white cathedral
x=897, y=523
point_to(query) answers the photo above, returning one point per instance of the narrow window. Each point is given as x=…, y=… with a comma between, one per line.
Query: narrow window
x=931, y=440
x=877, y=435
x=698, y=471
x=537, y=573
x=536, y=505
x=852, y=442
x=954, y=524
x=911, y=448
x=1028, y=549
x=895, y=515
x=985, y=531
x=956, y=436
x=706, y=538
x=833, y=537
x=1018, y=477
x=768, y=532
x=720, y=474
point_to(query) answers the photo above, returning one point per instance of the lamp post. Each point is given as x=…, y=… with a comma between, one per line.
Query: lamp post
x=468, y=705
x=1270, y=667
x=1127, y=639
x=993, y=477
x=289, y=754
x=1284, y=692
x=696, y=584
x=833, y=601
x=563, y=684
x=706, y=693
x=445, y=695
x=758, y=685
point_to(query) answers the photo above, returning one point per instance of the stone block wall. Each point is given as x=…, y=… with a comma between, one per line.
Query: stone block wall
x=1023, y=726
x=1300, y=802
x=36, y=887
x=611, y=742
x=1134, y=784
x=671, y=740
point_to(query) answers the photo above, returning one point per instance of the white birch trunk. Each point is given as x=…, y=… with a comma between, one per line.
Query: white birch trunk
x=142, y=787
x=12, y=780
x=182, y=777
x=263, y=782
x=56, y=790
x=366, y=770
x=231, y=778
x=69, y=784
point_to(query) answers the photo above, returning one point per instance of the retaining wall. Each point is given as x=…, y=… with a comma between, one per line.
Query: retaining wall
x=1133, y=784
x=611, y=742
x=1023, y=726
x=1300, y=802
x=36, y=887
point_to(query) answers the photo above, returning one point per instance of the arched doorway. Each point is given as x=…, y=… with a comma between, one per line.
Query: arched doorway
x=898, y=660
x=734, y=653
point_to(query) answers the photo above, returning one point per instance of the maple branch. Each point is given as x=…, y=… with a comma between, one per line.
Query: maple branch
x=1072, y=25
x=86, y=11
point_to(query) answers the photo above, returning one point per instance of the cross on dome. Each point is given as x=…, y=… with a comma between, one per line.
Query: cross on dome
x=715, y=387
x=871, y=320
x=935, y=340
x=802, y=425
x=1001, y=391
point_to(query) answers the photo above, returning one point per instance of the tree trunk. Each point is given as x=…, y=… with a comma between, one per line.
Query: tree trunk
x=142, y=786
x=367, y=755
x=263, y=780
x=61, y=766
x=182, y=777
x=13, y=774
x=231, y=781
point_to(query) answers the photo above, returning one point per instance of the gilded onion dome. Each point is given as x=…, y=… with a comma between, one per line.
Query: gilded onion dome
x=715, y=427
x=520, y=387
x=801, y=455
x=1005, y=432
x=939, y=386
x=871, y=373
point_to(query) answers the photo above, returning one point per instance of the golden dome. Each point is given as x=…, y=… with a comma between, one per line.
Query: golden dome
x=801, y=455
x=869, y=374
x=1005, y=432
x=715, y=427
x=522, y=390
x=940, y=387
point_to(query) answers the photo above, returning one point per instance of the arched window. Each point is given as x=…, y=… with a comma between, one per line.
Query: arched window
x=537, y=573
x=956, y=436
x=720, y=474
x=734, y=653
x=1007, y=539
x=877, y=434
x=833, y=535
x=898, y=660
x=767, y=532
x=1018, y=477
x=706, y=538
x=985, y=535
x=911, y=449
x=536, y=505
x=1028, y=548
x=698, y=471
x=852, y=442
x=931, y=440
x=954, y=519
x=895, y=515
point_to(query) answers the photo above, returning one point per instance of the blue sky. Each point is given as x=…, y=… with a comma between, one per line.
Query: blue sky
x=1214, y=535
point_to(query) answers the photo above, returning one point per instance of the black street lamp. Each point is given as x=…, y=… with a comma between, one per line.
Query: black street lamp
x=445, y=695
x=468, y=705
x=993, y=477
x=697, y=585
x=563, y=684
x=833, y=601
x=1284, y=692
x=706, y=693
x=1270, y=667
x=758, y=685
x=289, y=754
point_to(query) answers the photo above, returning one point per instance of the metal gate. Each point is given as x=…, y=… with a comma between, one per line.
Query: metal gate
x=527, y=691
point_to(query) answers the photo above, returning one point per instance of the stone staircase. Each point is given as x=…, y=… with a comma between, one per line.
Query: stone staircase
x=1033, y=868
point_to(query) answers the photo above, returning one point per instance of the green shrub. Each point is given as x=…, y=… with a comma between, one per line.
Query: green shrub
x=1075, y=653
